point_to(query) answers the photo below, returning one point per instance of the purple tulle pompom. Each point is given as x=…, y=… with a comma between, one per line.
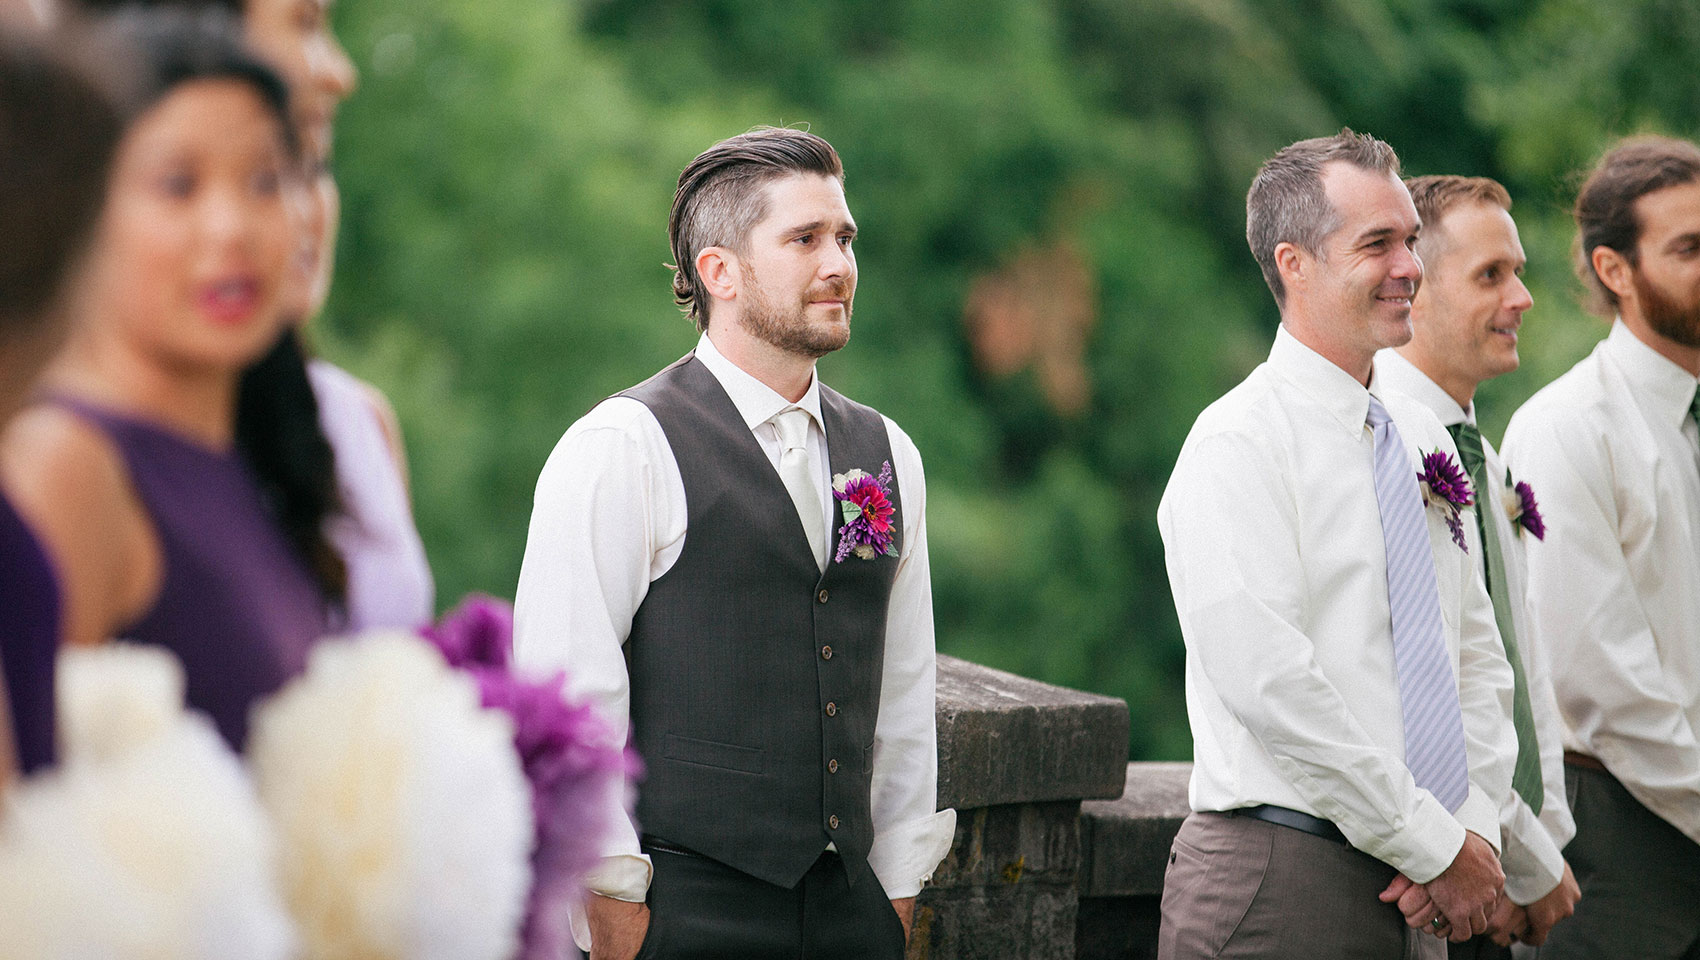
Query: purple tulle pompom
x=568, y=753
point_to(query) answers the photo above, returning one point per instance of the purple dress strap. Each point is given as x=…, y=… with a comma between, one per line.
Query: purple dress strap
x=237, y=603
x=29, y=638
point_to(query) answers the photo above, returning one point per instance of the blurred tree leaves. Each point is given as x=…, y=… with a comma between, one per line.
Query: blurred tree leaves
x=507, y=168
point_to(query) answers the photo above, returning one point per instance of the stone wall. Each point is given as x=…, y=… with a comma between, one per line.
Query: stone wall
x=1060, y=842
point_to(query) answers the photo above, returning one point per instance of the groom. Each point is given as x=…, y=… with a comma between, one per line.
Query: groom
x=771, y=649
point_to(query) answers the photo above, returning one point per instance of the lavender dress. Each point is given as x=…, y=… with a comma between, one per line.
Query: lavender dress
x=237, y=604
x=29, y=637
x=389, y=584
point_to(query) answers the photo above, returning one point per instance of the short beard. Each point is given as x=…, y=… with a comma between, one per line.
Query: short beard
x=1674, y=320
x=788, y=330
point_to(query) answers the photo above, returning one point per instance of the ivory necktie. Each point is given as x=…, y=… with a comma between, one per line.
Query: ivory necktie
x=1428, y=692
x=1526, y=776
x=797, y=471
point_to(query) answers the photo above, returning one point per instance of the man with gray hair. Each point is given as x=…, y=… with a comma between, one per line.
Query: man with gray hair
x=1345, y=681
x=731, y=558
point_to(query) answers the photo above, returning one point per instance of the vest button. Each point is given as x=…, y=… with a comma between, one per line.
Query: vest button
x=826, y=652
x=821, y=596
x=831, y=709
x=832, y=821
x=832, y=766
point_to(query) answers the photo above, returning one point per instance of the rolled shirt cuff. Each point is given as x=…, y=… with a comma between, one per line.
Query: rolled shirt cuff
x=621, y=877
x=904, y=855
x=1425, y=844
x=1533, y=862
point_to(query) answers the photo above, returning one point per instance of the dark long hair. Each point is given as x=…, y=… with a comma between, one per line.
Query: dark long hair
x=59, y=128
x=278, y=432
x=277, y=415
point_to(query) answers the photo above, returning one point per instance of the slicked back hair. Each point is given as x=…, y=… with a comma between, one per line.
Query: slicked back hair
x=1435, y=195
x=59, y=129
x=1287, y=202
x=1605, y=207
x=722, y=194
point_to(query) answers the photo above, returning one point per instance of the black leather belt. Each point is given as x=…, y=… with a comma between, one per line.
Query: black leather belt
x=1282, y=816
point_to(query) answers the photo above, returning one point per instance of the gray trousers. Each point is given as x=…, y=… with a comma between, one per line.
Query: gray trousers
x=1640, y=880
x=1238, y=887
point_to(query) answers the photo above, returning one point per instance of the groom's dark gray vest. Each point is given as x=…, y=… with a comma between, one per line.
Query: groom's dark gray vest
x=755, y=677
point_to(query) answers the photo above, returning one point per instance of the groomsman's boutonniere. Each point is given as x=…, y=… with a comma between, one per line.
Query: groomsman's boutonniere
x=1520, y=506
x=1446, y=488
x=866, y=505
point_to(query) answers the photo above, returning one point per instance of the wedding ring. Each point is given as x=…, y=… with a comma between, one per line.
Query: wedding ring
x=1435, y=923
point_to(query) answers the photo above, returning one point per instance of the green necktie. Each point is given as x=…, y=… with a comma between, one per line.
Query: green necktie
x=1526, y=777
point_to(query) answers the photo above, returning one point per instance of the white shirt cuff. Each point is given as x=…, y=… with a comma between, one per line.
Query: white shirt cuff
x=904, y=855
x=1480, y=815
x=1533, y=863
x=1427, y=845
x=623, y=877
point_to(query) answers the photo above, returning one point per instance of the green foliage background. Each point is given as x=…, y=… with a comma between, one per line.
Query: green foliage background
x=507, y=167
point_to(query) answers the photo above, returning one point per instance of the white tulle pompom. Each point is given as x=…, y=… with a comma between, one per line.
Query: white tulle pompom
x=400, y=805
x=147, y=840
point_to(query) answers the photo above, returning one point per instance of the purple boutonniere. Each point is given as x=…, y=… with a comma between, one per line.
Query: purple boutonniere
x=865, y=503
x=1446, y=488
x=1520, y=506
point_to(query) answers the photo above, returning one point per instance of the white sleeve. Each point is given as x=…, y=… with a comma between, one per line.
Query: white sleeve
x=910, y=838
x=1612, y=688
x=600, y=503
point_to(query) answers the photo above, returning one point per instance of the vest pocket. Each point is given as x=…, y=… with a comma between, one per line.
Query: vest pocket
x=712, y=753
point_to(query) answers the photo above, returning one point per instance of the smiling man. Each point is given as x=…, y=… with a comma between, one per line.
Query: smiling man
x=1465, y=322
x=767, y=643
x=1613, y=450
x=1344, y=676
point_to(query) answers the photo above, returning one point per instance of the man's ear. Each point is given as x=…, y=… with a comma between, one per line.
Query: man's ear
x=1293, y=263
x=1614, y=271
x=719, y=269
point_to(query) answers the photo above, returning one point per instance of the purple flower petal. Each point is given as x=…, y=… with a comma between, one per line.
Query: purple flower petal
x=1529, y=514
x=1446, y=479
x=479, y=631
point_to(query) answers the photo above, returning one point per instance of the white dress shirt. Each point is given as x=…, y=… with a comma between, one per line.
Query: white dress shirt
x=1611, y=452
x=1532, y=859
x=1278, y=567
x=610, y=518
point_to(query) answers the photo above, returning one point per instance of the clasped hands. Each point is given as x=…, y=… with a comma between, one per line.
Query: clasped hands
x=1468, y=899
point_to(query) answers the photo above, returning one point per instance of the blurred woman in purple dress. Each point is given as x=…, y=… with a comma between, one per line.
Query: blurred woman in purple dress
x=158, y=494
x=388, y=580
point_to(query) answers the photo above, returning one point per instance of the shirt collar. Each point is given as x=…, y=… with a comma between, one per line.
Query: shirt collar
x=1397, y=373
x=1332, y=388
x=1662, y=388
x=756, y=401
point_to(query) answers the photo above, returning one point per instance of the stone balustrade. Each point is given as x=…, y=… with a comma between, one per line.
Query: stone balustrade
x=1060, y=842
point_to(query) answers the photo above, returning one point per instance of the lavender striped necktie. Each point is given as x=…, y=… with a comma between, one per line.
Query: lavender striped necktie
x=1428, y=693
